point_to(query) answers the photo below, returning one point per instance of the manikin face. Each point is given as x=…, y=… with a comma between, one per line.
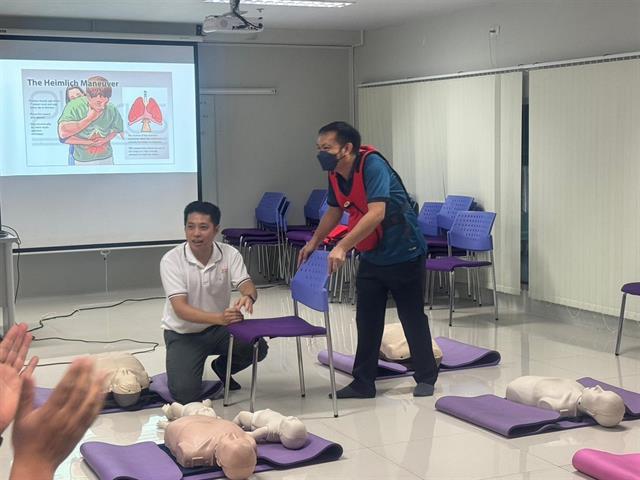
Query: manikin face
x=200, y=232
x=98, y=103
x=236, y=455
x=607, y=408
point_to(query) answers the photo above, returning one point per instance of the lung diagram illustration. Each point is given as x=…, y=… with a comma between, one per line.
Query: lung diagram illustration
x=145, y=110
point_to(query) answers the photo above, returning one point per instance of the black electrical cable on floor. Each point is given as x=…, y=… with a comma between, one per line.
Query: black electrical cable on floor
x=99, y=342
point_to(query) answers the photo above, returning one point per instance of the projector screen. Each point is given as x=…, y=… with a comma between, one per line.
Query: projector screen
x=98, y=141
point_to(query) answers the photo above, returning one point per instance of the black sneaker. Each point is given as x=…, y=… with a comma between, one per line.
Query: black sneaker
x=233, y=385
x=350, y=392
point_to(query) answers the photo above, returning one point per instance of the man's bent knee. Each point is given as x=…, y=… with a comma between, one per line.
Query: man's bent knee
x=185, y=392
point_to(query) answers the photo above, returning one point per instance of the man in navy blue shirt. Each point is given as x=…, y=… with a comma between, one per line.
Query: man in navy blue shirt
x=393, y=263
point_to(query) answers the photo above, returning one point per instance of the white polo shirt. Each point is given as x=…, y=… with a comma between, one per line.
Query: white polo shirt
x=207, y=287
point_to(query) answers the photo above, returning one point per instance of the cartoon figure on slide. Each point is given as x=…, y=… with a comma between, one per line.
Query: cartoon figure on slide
x=145, y=110
x=90, y=122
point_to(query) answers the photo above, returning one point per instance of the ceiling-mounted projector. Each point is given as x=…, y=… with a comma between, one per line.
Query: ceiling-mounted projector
x=233, y=21
x=229, y=24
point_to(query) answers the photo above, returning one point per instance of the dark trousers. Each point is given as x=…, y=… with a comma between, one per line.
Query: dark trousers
x=187, y=352
x=405, y=281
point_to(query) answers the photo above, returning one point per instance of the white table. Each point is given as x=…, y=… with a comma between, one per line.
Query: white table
x=6, y=282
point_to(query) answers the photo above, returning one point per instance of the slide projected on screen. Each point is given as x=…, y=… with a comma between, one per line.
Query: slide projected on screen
x=98, y=130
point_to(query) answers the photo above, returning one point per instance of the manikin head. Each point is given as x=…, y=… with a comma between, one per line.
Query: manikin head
x=125, y=388
x=237, y=455
x=606, y=407
x=293, y=433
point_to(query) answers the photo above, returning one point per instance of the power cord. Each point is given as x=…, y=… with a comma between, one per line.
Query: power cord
x=154, y=345
x=41, y=325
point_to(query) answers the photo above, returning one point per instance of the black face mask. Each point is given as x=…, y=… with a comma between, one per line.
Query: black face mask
x=328, y=161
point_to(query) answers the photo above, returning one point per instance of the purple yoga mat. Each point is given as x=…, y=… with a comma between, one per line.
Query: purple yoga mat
x=455, y=356
x=157, y=396
x=512, y=419
x=139, y=461
x=147, y=460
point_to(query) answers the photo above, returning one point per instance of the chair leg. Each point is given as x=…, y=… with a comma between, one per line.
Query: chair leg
x=478, y=286
x=254, y=374
x=225, y=402
x=300, y=367
x=332, y=372
x=621, y=322
x=452, y=282
x=469, y=281
x=495, y=286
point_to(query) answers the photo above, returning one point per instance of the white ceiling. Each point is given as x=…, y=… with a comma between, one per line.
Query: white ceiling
x=365, y=14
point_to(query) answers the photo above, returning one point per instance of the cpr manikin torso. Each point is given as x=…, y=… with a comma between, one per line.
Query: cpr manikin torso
x=394, y=345
x=198, y=441
x=567, y=397
x=269, y=426
x=177, y=410
x=126, y=377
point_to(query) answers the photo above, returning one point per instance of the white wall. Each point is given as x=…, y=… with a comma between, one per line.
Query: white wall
x=530, y=31
x=267, y=142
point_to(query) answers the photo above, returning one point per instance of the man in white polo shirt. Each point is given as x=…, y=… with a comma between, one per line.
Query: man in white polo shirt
x=197, y=277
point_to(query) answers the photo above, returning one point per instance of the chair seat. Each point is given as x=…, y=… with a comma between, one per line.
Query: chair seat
x=436, y=241
x=250, y=331
x=243, y=232
x=448, y=264
x=631, y=288
x=260, y=240
x=300, y=228
x=299, y=236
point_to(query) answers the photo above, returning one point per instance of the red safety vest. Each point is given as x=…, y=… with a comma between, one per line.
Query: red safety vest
x=356, y=202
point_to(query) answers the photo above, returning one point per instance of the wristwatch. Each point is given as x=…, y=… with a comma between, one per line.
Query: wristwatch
x=252, y=299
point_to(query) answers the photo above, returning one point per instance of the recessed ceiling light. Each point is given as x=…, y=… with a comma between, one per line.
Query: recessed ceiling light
x=290, y=3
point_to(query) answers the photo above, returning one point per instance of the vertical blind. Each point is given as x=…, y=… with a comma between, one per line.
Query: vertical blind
x=584, y=184
x=456, y=136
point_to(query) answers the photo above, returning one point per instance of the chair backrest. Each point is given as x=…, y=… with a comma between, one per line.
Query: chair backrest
x=312, y=208
x=472, y=231
x=269, y=210
x=325, y=206
x=452, y=205
x=309, y=284
x=428, y=218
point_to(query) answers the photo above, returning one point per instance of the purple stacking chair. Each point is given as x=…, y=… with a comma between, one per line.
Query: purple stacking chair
x=297, y=237
x=470, y=231
x=271, y=249
x=309, y=287
x=428, y=224
x=270, y=201
x=311, y=211
x=451, y=206
x=631, y=289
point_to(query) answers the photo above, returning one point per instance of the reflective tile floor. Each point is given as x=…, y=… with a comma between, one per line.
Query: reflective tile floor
x=391, y=436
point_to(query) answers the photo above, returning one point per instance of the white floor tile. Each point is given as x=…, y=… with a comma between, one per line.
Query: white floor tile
x=392, y=436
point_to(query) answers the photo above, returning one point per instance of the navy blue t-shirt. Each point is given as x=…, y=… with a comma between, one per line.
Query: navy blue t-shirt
x=402, y=240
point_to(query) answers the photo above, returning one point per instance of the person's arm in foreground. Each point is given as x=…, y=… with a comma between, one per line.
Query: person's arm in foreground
x=43, y=437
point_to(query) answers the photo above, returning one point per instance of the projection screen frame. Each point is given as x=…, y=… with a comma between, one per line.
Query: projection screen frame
x=125, y=245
